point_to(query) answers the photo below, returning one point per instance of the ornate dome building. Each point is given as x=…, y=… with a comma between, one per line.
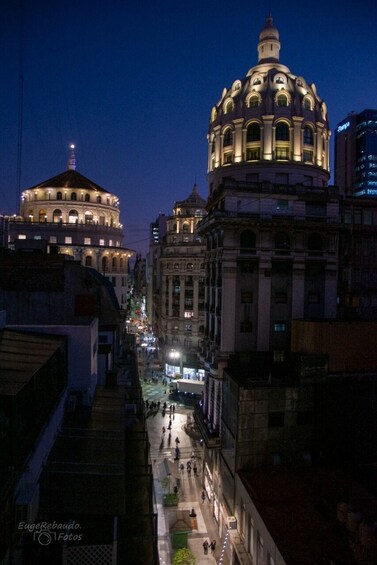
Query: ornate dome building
x=72, y=215
x=272, y=117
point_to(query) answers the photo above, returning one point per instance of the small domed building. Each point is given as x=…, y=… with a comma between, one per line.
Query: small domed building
x=72, y=215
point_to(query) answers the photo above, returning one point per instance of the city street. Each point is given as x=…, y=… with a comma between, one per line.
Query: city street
x=163, y=447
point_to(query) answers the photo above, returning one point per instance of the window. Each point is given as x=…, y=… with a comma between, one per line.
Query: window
x=58, y=196
x=278, y=356
x=282, y=132
x=88, y=218
x=228, y=137
x=308, y=136
x=176, y=266
x=282, y=100
x=253, y=101
x=228, y=158
x=42, y=216
x=99, y=200
x=246, y=297
x=189, y=314
x=253, y=132
x=282, y=242
x=87, y=240
x=73, y=217
x=253, y=154
x=246, y=326
x=308, y=156
x=190, y=266
x=68, y=240
x=347, y=216
x=88, y=261
x=282, y=153
x=87, y=198
x=102, y=242
x=315, y=242
x=73, y=196
x=228, y=107
x=282, y=205
x=280, y=327
x=188, y=327
x=280, y=297
x=21, y=236
x=247, y=241
x=307, y=104
x=52, y=239
x=276, y=419
x=57, y=216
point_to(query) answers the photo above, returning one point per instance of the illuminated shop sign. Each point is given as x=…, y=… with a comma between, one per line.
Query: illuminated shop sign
x=343, y=127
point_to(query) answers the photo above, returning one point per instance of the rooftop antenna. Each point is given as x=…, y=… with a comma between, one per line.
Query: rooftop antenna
x=20, y=104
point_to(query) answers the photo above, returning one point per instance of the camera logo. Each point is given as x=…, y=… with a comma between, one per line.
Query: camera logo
x=44, y=537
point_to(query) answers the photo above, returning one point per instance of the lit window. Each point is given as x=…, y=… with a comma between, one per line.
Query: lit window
x=308, y=156
x=68, y=240
x=253, y=154
x=280, y=327
x=228, y=158
x=189, y=314
x=52, y=239
x=282, y=153
x=253, y=101
x=102, y=242
x=87, y=240
x=21, y=236
x=188, y=327
x=282, y=100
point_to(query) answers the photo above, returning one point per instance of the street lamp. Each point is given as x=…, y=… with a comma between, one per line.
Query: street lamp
x=174, y=354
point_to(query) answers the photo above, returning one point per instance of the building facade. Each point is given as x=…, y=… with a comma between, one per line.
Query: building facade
x=76, y=217
x=356, y=154
x=178, y=298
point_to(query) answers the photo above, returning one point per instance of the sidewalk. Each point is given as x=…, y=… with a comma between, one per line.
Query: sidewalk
x=190, y=488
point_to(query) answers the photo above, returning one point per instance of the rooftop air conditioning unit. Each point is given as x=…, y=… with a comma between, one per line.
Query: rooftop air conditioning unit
x=231, y=522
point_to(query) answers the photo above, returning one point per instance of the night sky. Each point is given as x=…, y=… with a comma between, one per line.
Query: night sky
x=132, y=84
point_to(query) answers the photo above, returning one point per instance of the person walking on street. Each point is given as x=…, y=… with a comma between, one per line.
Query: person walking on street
x=213, y=546
x=203, y=496
x=205, y=547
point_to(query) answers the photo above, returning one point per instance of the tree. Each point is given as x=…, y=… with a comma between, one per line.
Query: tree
x=184, y=557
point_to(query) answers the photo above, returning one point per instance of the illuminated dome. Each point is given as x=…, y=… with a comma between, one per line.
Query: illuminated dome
x=270, y=125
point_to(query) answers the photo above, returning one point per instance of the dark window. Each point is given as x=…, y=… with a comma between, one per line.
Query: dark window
x=280, y=298
x=228, y=137
x=58, y=196
x=282, y=132
x=73, y=196
x=308, y=136
x=253, y=132
x=276, y=419
x=247, y=240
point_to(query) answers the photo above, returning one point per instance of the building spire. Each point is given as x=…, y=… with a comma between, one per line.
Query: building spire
x=71, y=165
x=269, y=44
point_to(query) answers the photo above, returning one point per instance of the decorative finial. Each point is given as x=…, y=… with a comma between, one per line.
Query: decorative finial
x=72, y=159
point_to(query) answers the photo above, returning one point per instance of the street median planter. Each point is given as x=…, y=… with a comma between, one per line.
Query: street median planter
x=170, y=499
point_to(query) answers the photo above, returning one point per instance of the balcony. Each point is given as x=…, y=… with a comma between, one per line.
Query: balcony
x=209, y=436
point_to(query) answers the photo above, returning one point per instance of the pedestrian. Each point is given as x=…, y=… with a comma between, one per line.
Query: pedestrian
x=177, y=440
x=203, y=496
x=205, y=547
x=182, y=467
x=163, y=429
x=173, y=407
x=195, y=469
x=213, y=546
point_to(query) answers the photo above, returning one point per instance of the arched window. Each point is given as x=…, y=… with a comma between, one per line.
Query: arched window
x=186, y=227
x=190, y=266
x=42, y=216
x=88, y=261
x=73, y=217
x=282, y=242
x=253, y=101
x=282, y=132
x=57, y=216
x=58, y=196
x=282, y=100
x=228, y=107
x=73, y=196
x=87, y=197
x=114, y=264
x=228, y=137
x=99, y=200
x=247, y=241
x=315, y=243
x=253, y=132
x=307, y=104
x=104, y=263
x=308, y=136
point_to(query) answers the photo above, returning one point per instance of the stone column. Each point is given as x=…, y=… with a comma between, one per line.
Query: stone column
x=237, y=141
x=297, y=138
x=267, y=138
